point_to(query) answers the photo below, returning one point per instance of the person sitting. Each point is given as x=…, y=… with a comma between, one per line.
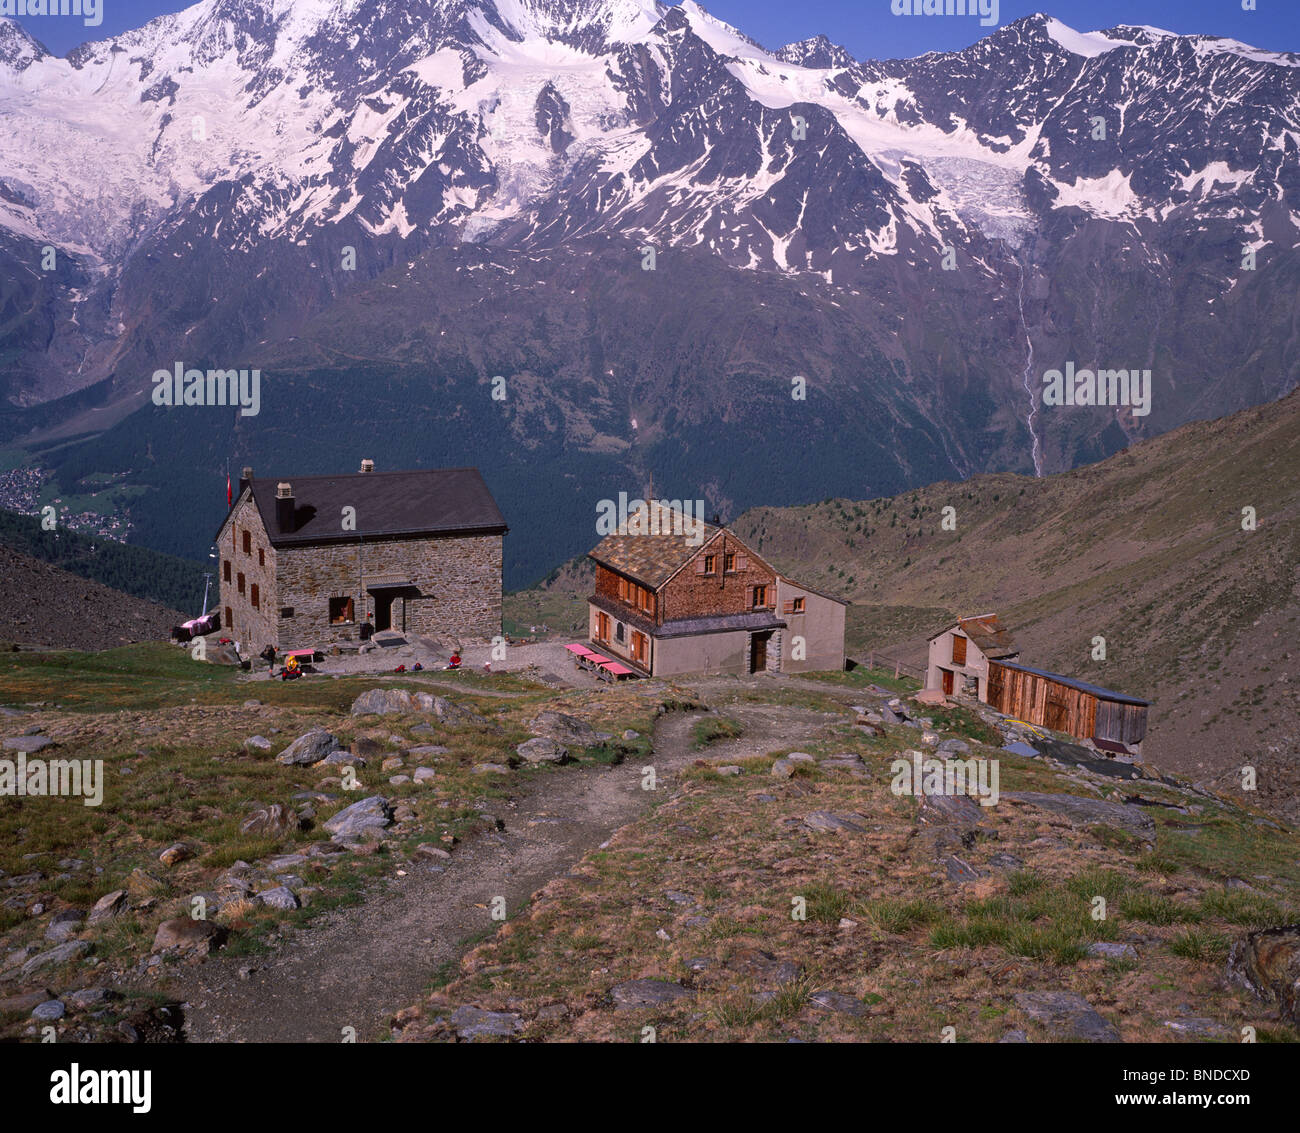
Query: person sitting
x=454, y=663
x=417, y=668
x=291, y=670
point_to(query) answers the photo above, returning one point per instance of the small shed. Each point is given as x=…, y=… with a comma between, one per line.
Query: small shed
x=1115, y=721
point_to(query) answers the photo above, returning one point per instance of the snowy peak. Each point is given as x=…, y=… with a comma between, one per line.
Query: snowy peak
x=818, y=53
x=18, y=50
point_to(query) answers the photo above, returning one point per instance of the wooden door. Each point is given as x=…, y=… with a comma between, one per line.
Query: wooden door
x=602, y=627
x=947, y=681
x=639, y=650
x=958, y=649
x=758, y=653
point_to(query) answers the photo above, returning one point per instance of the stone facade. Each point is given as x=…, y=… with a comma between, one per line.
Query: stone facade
x=454, y=591
x=690, y=593
x=249, y=603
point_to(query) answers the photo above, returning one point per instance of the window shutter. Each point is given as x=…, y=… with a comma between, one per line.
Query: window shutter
x=788, y=606
x=742, y=562
x=699, y=564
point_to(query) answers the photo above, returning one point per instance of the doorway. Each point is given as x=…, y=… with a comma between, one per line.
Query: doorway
x=383, y=610
x=947, y=681
x=758, y=652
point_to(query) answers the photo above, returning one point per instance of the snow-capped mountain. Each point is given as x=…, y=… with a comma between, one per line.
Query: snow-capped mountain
x=927, y=234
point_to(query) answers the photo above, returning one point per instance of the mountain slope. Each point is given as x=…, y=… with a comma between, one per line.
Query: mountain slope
x=448, y=191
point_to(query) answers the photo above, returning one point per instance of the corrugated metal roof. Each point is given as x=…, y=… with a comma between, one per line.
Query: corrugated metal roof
x=1082, y=686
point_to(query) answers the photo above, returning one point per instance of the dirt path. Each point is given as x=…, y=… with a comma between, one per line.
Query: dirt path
x=356, y=966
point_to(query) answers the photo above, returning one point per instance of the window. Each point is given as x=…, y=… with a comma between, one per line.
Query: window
x=261, y=557
x=958, y=649
x=760, y=596
x=619, y=631
x=225, y=567
x=286, y=611
x=635, y=595
x=240, y=577
x=256, y=598
x=797, y=606
x=710, y=564
x=340, y=611
x=248, y=543
x=729, y=561
x=229, y=618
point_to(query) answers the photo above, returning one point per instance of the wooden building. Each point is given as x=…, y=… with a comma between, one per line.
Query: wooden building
x=1114, y=721
x=698, y=600
x=308, y=561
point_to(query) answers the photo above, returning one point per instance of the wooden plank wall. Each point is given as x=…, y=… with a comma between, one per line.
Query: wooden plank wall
x=1042, y=701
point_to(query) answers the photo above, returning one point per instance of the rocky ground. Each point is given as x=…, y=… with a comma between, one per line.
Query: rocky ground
x=574, y=863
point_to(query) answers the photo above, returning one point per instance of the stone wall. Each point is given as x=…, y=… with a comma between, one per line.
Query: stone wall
x=693, y=595
x=456, y=588
x=254, y=627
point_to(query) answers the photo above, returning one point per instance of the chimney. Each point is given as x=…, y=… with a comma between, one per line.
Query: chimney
x=245, y=479
x=284, y=507
x=367, y=466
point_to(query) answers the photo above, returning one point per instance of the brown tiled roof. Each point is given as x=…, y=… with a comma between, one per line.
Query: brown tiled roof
x=651, y=559
x=993, y=639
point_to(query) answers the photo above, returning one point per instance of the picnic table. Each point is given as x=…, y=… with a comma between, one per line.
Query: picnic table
x=605, y=668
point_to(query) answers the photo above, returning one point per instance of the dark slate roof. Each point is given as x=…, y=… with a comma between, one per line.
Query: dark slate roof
x=720, y=623
x=426, y=501
x=651, y=559
x=1082, y=686
x=989, y=635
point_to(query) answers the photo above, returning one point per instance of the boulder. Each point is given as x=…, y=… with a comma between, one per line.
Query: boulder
x=63, y=925
x=107, y=907
x=425, y=774
x=64, y=953
x=1085, y=812
x=382, y=701
x=565, y=729
x=186, y=935
x=28, y=744
x=281, y=897
x=1066, y=1016
x=367, y=817
x=473, y=1022
x=782, y=769
x=822, y=821
x=274, y=821
x=310, y=747
x=257, y=743
x=49, y=1011
x=1267, y=962
x=176, y=853
x=647, y=993
x=541, y=749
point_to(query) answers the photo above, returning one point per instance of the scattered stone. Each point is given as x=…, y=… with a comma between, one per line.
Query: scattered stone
x=342, y=758
x=472, y=1023
x=382, y=701
x=63, y=925
x=398, y=780
x=392, y=763
x=274, y=821
x=310, y=747
x=1200, y=1028
x=766, y=970
x=1020, y=748
x=629, y=734
x=429, y=850
x=281, y=897
x=960, y=871
x=960, y=747
x=28, y=744
x=635, y=994
x=423, y=751
x=825, y=820
x=1267, y=962
x=782, y=769
x=257, y=743
x=836, y=1001
x=1005, y=861
x=186, y=935
x=24, y=1004
x=49, y=1011
x=1066, y=1016
x=960, y=810
x=800, y=757
x=107, y=907
x=729, y=769
x=930, y=739
x=89, y=997
x=541, y=749
x=367, y=817
x=1014, y=1037
x=490, y=769
x=425, y=774
x=565, y=729
x=64, y=953
x=176, y=853
x=1085, y=812
x=1112, y=950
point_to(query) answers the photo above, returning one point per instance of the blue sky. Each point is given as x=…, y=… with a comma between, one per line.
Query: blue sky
x=866, y=27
